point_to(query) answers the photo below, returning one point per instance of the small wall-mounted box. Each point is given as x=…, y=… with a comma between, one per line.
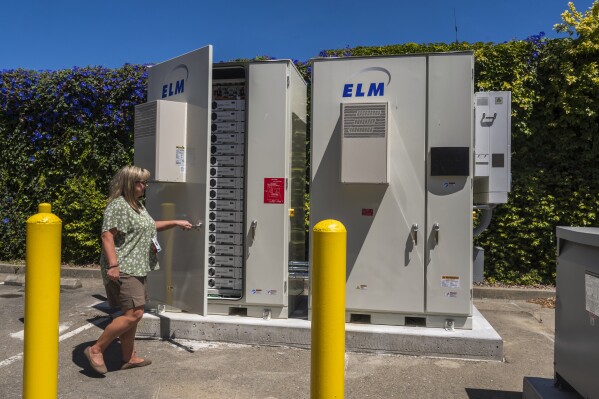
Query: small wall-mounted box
x=160, y=139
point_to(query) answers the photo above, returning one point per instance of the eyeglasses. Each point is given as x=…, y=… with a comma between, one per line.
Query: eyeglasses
x=144, y=182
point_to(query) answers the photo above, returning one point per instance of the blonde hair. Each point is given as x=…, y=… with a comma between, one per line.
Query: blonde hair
x=123, y=184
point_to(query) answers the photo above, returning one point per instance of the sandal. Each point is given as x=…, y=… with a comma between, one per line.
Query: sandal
x=143, y=363
x=98, y=368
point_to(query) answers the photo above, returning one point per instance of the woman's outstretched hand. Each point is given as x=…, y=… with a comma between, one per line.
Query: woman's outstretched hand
x=184, y=224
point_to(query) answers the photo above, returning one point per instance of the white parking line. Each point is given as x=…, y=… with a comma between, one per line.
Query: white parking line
x=70, y=334
x=80, y=329
x=21, y=334
x=11, y=360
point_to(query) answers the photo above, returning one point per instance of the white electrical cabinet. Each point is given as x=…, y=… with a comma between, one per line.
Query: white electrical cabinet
x=392, y=149
x=243, y=182
x=493, y=160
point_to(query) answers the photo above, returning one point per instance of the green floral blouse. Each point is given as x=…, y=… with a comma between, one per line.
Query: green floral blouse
x=133, y=241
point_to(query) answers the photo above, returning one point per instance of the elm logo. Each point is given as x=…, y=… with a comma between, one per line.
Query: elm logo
x=369, y=82
x=176, y=81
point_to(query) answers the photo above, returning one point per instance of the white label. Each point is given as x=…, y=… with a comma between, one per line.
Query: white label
x=180, y=158
x=156, y=245
x=450, y=282
x=591, y=286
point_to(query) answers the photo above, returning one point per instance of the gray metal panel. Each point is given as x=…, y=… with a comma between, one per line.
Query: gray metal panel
x=146, y=124
x=297, y=186
x=576, y=316
x=268, y=157
x=449, y=198
x=187, y=253
x=384, y=267
x=579, y=235
x=180, y=281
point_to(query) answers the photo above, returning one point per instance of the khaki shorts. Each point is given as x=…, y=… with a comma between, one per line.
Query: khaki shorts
x=128, y=295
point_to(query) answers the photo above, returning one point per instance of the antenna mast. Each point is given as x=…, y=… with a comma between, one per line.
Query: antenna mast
x=455, y=24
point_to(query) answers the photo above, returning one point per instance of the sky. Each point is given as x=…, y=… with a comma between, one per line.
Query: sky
x=60, y=34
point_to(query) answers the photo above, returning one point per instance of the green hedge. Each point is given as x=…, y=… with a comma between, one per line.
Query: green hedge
x=65, y=133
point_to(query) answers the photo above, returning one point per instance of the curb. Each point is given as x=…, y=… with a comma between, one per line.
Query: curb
x=511, y=293
x=65, y=283
x=69, y=276
x=67, y=273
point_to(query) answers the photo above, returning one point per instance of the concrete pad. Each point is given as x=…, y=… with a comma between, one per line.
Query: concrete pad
x=543, y=388
x=480, y=343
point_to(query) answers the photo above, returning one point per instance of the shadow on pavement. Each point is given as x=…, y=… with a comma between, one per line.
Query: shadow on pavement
x=474, y=393
x=112, y=358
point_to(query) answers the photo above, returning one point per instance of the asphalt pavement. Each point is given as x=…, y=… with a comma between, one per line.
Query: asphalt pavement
x=196, y=369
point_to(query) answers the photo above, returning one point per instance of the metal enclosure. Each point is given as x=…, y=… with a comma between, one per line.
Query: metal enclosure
x=576, y=355
x=274, y=187
x=161, y=125
x=493, y=157
x=244, y=180
x=399, y=177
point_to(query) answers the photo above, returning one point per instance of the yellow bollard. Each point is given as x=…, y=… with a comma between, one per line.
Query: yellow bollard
x=327, y=369
x=42, y=305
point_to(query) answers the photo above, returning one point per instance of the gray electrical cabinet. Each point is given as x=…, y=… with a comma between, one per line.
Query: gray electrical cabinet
x=225, y=144
x=392, y=149
x=576, y=355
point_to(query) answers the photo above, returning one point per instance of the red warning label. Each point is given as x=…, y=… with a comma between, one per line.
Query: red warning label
x=274, y=190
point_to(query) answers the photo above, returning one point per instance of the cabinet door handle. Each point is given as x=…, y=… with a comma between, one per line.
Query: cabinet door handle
x=253, y=228
x=436, y=233
x=414, y=233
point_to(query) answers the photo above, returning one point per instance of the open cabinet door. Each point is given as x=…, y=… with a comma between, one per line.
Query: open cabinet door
x=181, y=191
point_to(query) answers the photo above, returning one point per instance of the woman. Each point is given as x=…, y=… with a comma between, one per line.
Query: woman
x=129, y=248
